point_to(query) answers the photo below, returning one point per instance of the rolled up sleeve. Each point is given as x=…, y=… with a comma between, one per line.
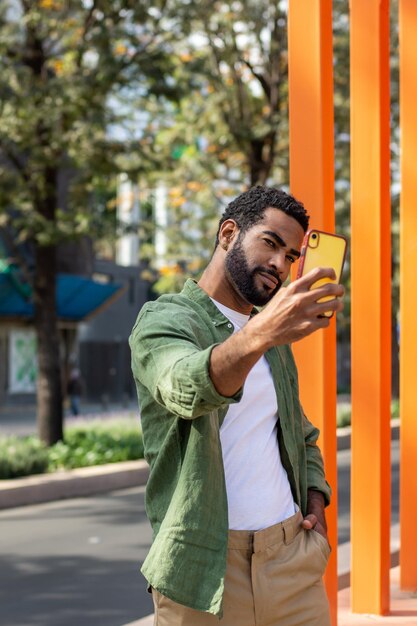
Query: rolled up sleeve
x=167, y=360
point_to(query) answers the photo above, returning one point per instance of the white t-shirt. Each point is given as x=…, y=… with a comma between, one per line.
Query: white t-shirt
x=257, y=486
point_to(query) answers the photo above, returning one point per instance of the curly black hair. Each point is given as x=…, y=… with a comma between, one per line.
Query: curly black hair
x=248, y=209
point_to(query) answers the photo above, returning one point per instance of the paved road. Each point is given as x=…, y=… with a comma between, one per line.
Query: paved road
x=76, y=562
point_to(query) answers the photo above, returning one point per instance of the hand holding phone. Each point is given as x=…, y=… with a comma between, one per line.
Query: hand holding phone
x=321, y=249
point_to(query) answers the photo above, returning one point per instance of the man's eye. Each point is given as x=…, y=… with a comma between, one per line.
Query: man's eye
x=270, y=243
x=291, y=259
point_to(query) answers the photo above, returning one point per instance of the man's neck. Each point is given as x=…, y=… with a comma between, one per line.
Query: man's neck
x=216, y=284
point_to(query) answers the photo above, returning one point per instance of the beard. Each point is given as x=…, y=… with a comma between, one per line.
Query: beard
x=243, y=278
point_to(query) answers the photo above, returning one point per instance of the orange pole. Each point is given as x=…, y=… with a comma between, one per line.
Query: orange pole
x=371, y=306
x=312, y=181
x=408, y=296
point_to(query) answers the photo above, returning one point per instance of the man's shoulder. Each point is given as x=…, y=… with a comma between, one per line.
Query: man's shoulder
x=191, y=298
x=169, y=303
x=169, y=311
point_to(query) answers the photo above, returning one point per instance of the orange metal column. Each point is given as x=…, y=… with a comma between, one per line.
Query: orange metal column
x=312, y=181
x=371, y=306
x=408, y=294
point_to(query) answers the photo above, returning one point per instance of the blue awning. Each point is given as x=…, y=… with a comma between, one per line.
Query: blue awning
x=77, y=297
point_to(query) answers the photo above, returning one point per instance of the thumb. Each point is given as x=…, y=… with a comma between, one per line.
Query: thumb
x=309, y=521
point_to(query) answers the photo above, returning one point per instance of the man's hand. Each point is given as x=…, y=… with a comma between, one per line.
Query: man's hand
x=316, y=517
x=294, y=312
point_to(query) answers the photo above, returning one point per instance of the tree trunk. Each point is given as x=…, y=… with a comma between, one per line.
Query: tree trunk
x=260, y=158
x=49, y=387
x=259, y=173
x=395, y=349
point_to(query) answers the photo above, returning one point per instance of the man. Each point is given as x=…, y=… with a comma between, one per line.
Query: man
x=236, y=492
x=75, y=390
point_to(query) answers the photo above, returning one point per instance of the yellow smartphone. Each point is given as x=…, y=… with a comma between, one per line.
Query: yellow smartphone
x=321, y=249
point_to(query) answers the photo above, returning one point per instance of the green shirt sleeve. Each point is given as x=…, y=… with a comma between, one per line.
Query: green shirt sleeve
x=315, y=466
x=171, y=360
x=314, y=460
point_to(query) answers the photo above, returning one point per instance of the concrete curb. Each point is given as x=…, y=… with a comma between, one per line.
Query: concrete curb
x=88, y=481
x=344, y=434
x=145, y=621
x=75, y=483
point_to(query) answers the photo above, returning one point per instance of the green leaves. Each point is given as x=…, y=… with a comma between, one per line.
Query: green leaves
x=22, y=457
x=85, y=444
x=60, y=65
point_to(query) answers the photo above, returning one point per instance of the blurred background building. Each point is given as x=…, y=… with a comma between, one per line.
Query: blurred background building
x=98, y=300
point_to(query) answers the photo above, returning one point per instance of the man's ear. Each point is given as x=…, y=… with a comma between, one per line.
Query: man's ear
x=228, y=231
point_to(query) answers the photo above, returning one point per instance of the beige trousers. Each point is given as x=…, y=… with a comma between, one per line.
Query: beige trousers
x=273, y=578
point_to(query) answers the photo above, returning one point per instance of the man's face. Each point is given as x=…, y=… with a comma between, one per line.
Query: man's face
x=260, y=259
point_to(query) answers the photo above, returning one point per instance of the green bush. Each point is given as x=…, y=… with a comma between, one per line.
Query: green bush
x=22, y=456
x=96, y=443
x=90, y=443
x=343, y=415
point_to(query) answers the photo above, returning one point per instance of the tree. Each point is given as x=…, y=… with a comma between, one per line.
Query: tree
x=229, y=130
x=239, y=51
x=65, y=66
x=203, y=172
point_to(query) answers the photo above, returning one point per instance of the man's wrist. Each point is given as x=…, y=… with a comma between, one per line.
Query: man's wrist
x=255, y=336
x=316, y=504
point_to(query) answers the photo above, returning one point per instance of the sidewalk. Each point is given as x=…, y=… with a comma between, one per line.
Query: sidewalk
x=403, y=608
x=81, y=482
x=145, y=621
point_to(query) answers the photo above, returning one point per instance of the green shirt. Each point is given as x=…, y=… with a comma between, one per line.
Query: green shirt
x=181, y=414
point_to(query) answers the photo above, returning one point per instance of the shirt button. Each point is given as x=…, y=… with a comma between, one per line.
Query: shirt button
x=229, y=326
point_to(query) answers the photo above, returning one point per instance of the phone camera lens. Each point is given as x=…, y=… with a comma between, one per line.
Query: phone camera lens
x=314, y=236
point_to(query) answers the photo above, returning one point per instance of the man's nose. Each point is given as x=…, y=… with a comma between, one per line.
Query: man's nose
x=278, y=263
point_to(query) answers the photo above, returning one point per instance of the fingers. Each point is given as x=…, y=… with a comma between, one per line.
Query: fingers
x=330, y=292
x=308, y=280
x=330, y=306
x=315, y=308
x=319, y=284
x=296, y=311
